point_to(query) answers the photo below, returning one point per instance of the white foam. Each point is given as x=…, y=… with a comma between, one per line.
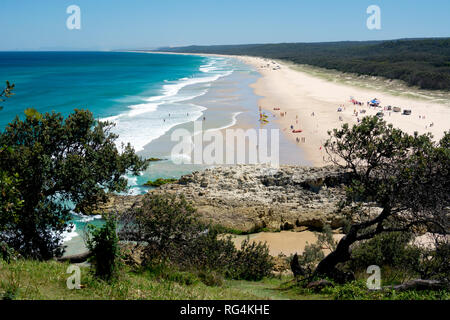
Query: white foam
x=233, y=122
x=138, y=109
x=69, y=235
x=148, y=121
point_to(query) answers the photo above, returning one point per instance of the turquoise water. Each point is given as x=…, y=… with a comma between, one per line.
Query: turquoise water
x=145, y=95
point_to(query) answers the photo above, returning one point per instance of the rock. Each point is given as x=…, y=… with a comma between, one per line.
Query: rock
x=286, y=197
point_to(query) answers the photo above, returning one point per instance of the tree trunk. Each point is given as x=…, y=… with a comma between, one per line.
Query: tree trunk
x=327, y=267
x=420, y=284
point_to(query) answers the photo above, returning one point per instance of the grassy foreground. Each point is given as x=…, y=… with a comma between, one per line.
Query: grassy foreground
x=25, y=279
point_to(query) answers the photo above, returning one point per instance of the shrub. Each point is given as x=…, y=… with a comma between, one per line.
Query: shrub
x=434, y=263
x=388, y=249
x=6, y=253
x=253, y=261
x=211, y=278
x=355, y=290
x=159, y=182
x=165, y=223
x=103, y=243
x=173, y=235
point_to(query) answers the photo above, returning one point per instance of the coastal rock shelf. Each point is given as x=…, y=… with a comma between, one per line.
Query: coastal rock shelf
x=249, y=198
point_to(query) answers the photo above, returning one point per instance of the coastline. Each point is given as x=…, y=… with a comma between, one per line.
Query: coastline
x=229, y=103
x=299, y=95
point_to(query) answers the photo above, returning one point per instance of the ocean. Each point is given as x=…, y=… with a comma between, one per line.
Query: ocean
x=145, y=95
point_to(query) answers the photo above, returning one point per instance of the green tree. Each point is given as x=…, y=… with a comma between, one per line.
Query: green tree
x=60, y=161
x=404, y=179
x=10, y=198
x=6, y=93
x=103, y=244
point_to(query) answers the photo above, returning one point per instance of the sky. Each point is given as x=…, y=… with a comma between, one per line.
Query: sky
x=147, y=24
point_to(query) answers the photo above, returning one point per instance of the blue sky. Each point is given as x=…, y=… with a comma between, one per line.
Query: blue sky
x=120, y=24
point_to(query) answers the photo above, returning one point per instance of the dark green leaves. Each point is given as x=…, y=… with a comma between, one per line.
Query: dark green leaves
x=59, y=161
x=6, y=93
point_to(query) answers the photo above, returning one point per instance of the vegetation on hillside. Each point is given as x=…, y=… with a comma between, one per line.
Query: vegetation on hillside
x=159, y=182
x=423, y=63
x=168, y=232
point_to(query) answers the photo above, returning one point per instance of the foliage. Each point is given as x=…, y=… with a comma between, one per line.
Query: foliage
x=423, y=63
x=357, y=290
x=313, y=253
x=10, y=200
x=103, y=243
x=6, y=253
x=399, y=183
x=59, y=161
x=171, y=233
x=434, y=262
x=6, y=93
x=165, y=223
x=253, y=261
x=386, y=249
x=159, y=182
x=10, y=197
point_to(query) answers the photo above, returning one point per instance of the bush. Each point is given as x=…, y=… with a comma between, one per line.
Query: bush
x=211, y=278
x=388, y=249
x=434, y=263
x=165, y=223
x=171, y=234
x=6, y=253
x=253, y=261
x=103, y=243
x=159, y=182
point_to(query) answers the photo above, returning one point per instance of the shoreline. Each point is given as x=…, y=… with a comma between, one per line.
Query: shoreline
x=310, y=103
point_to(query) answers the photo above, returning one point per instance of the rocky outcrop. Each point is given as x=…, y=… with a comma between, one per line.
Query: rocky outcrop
x=248, y=197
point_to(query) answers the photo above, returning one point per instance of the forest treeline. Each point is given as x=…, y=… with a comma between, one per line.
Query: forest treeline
x=423, y=62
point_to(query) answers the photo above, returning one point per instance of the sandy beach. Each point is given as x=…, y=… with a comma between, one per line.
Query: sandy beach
x=311, y=104
x=283, y=242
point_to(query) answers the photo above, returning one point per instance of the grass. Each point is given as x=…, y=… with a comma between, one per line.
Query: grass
x=26, y=279
x=34, y=280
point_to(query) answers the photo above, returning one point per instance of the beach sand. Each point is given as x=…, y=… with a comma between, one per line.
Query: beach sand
x=283, y=242
x=299, y=95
